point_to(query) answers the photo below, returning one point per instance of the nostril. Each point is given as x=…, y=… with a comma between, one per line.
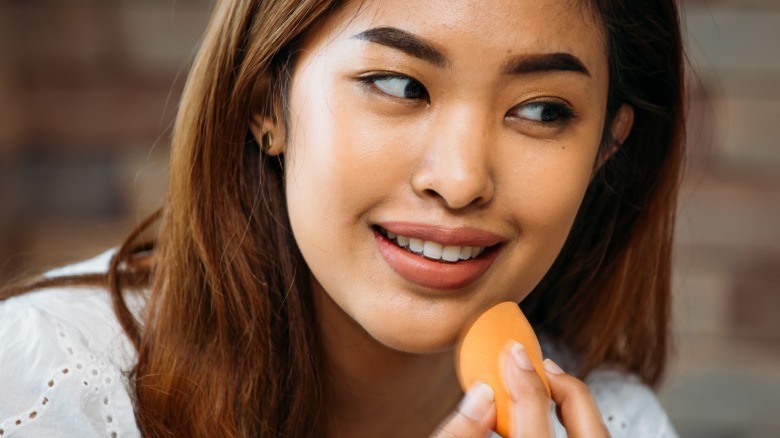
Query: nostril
x=458, y=196
x=454, y=183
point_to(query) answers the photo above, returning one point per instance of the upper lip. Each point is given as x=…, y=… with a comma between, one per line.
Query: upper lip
x=453, y=236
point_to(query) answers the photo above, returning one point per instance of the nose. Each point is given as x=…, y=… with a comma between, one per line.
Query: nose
x=455, y=168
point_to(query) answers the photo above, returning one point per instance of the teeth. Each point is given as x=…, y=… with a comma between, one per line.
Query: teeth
x=416, y=245
x=450, y=253
x=434, y=250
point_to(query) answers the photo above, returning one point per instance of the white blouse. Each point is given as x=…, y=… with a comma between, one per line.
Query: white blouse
x=63, y=355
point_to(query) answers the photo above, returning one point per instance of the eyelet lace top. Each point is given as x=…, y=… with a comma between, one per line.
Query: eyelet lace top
x=63, y=355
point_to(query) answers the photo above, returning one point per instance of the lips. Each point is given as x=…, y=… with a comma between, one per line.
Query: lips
x=434, y=250
x=436, y=257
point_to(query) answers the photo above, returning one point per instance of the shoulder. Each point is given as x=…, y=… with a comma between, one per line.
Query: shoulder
x=63, y=356
x=629, y=407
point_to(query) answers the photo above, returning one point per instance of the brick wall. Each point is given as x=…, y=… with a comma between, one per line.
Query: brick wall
x=88, y=90
x=727, y=284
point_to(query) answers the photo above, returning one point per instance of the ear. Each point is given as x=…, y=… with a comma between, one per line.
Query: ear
x=267, y=133
x=622, y=123
x=618, y=132
x=265, y=123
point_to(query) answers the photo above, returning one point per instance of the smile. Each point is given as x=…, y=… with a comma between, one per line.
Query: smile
x=437, y=257
x=434, y=250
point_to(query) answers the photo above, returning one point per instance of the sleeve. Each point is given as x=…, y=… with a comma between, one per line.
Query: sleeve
x=55, y=379
x=629, y=408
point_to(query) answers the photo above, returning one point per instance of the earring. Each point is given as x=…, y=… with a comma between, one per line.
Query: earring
x=266, y=141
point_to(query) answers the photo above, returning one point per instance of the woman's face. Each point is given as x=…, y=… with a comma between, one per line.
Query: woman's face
x=437, y=155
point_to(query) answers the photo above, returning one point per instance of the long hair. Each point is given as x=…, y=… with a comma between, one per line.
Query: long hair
x=228, y=346
x=607, y=296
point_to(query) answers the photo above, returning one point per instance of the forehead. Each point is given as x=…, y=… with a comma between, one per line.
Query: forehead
x=483, y=30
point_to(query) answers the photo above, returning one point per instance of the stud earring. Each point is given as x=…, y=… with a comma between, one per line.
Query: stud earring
x=266, y=141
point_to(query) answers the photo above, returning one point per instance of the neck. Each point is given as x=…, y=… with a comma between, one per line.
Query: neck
x=373, y=390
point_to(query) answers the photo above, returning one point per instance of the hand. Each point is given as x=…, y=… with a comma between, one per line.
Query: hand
x=529, y=406
x=474, y=417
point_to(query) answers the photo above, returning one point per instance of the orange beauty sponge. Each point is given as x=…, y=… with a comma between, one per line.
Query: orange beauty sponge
x=479, y=357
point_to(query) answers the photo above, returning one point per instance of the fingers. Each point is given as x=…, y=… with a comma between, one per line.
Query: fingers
x=474, y=417
x=578, y=411
x=530, y=406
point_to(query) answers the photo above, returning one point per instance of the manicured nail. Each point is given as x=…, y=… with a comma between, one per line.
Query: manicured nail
x=552, y=367
x=521, y=357
x=477, y=401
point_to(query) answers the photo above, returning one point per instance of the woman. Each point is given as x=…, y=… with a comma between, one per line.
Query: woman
x=351, y=185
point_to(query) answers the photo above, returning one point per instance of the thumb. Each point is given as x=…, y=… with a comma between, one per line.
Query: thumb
x=474, y=417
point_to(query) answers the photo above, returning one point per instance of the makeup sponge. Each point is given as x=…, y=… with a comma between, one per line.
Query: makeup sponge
x=479, y=354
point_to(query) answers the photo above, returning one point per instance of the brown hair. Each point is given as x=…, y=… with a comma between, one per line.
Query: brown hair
x=607, y=297
x=228, y=345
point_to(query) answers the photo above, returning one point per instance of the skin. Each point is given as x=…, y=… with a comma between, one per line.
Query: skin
x=467, y=152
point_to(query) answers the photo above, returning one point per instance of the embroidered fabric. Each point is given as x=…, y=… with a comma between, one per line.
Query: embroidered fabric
x=62, y=353
x=63, y=357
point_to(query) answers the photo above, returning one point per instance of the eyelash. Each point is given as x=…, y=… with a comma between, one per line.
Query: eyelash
x=370, y=82
x=564, y=112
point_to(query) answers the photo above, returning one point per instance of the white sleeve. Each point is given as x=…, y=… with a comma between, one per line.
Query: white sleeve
x=59, y=372
x=629, y=408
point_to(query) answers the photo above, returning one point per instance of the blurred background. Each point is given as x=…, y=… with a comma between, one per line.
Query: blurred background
x=89, y=88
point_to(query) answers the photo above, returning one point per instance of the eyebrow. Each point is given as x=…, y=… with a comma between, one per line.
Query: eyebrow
x=406, y=42
x=526, y=64
x=415, y=46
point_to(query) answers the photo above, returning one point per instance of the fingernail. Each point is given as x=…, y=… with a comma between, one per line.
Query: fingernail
x=521, y=357
x=552, y=367
x=477, y=401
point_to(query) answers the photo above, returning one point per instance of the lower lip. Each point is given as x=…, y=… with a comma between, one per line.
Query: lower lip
x=431, y=273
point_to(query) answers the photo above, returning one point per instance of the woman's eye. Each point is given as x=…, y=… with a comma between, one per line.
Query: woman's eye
x=399, y=86
x=545, y=112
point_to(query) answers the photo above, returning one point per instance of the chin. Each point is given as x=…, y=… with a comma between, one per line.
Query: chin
x=414, y=339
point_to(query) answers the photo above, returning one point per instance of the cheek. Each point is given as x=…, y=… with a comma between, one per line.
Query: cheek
x=317, y=157
x=558, y=191
x=547, y=189
x=337, y=167
x=338, y=157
